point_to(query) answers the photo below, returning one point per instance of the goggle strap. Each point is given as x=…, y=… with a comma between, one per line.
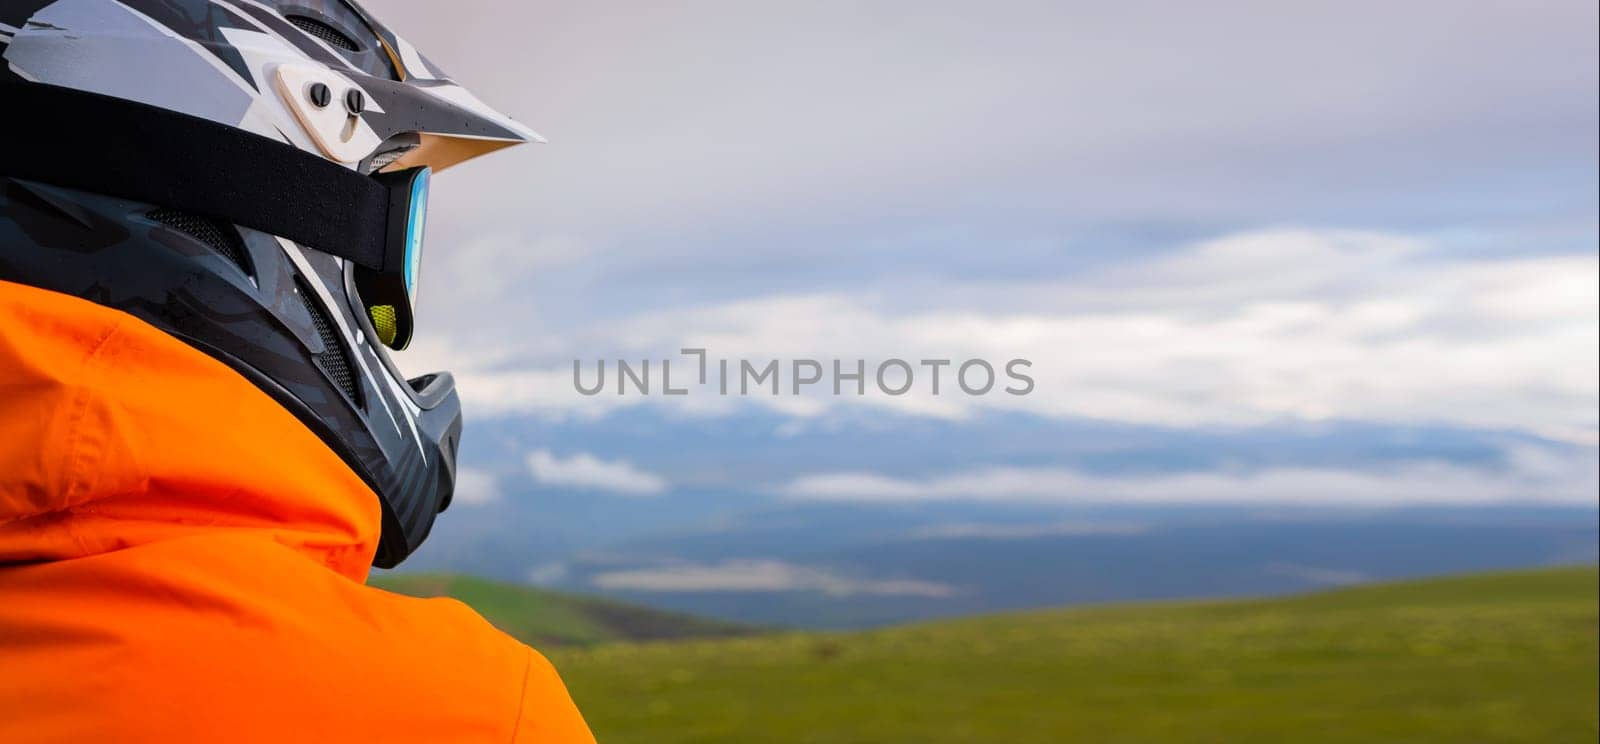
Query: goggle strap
x=115, y=147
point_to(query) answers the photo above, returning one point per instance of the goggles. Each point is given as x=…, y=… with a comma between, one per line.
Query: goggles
x=161, y=157
x=390, y=292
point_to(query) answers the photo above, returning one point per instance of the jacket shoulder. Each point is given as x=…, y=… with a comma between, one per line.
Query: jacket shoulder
x=232, y=637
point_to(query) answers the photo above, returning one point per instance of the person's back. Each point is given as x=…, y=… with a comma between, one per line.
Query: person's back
x=183, y=562
x=204, y=446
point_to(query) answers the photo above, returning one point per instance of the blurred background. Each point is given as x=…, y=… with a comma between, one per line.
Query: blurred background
x=1309, y=292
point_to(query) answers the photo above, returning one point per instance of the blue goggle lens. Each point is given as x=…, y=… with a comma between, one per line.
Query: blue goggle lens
x=416, y=222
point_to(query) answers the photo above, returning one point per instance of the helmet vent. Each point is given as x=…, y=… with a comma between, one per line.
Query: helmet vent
x=329, y=35
x=219, y=236
x=331, y=360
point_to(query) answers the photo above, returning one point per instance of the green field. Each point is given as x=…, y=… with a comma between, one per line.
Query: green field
x=1495, y=658
x=547, y=619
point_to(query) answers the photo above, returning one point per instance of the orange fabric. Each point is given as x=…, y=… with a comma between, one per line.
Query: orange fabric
x=182, y=560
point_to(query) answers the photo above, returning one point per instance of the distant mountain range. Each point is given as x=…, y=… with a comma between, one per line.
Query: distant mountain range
x=546, y=619
x=838, y=567
x=693, y=514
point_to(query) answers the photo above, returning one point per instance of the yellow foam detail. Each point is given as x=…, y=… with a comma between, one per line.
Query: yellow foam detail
x=384, y=322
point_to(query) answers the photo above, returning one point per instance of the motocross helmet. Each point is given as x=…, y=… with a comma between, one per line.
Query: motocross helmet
x=250, y=176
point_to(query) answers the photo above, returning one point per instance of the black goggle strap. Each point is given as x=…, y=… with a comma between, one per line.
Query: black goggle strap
x=115, y=147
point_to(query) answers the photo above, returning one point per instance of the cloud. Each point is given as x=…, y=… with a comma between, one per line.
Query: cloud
x=549, y=573
x=1018, y=106
x=585, y=471
x=939, y=144
x=761, y=576
x=1533, y=475
x=1243, y=330
x=475, y=487
x=999, y=531
x=1035, y=185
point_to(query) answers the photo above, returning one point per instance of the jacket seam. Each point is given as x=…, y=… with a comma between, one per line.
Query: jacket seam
x=78, y=465
x=522, y=702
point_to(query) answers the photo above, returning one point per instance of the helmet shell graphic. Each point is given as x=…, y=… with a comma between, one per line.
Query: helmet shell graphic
x=323, y=76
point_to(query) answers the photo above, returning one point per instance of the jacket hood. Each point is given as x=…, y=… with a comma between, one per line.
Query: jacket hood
x=114, y=434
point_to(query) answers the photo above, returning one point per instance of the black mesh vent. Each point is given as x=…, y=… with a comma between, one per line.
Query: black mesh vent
x=332, y=360
x=220, y=236
x=328, y=34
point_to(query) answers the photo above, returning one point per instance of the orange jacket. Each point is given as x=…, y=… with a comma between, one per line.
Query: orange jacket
x=182, y=560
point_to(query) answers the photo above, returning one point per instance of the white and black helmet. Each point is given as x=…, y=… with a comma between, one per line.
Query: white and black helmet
x=252, y=178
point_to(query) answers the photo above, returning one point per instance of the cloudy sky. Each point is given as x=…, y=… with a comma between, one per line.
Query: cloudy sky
x=1215, y=223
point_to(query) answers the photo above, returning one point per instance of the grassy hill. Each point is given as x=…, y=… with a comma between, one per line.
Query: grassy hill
x=548, y=619
x=1491, y=658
